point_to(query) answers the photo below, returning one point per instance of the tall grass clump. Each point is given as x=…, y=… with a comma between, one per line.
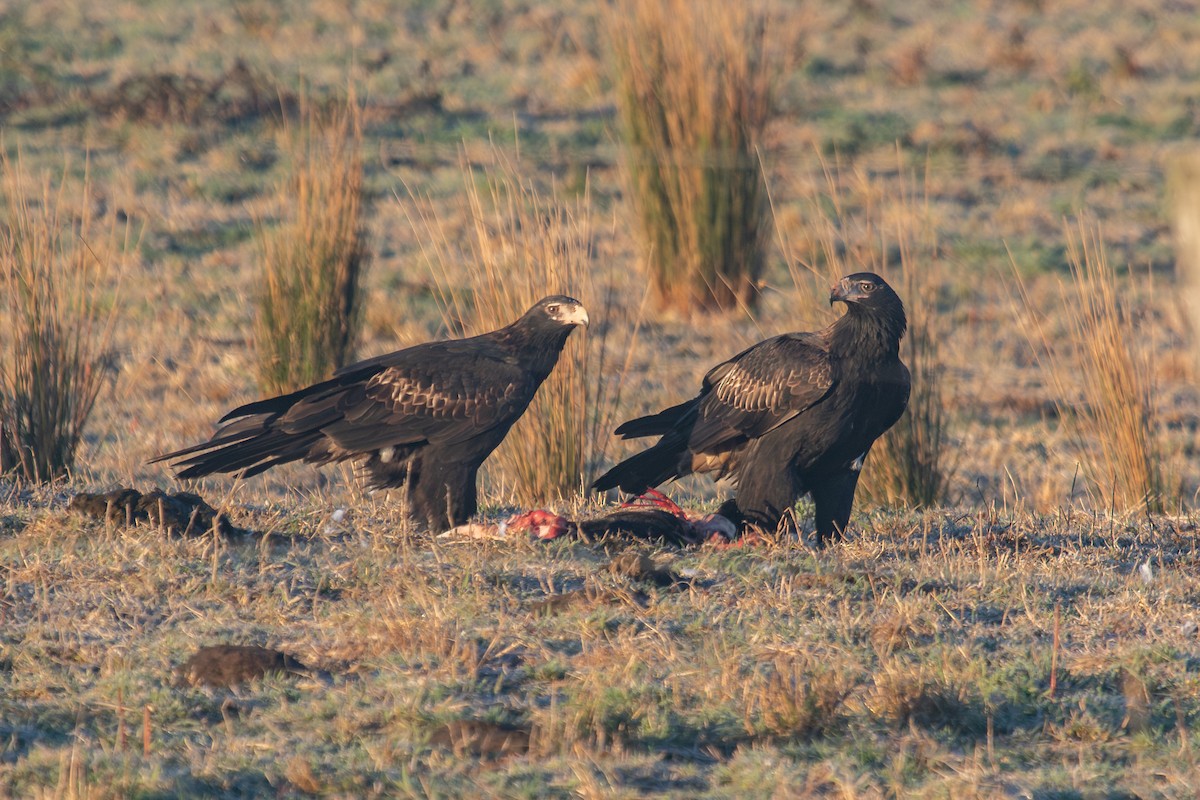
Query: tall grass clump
x=309, y=311
x=912, y=464
x=58, y=272
x=517, y=244
x=695, y=89
x=1097, y=359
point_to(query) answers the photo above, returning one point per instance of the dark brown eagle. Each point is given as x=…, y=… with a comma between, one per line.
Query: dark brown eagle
x=793, y=414
x=423, y=418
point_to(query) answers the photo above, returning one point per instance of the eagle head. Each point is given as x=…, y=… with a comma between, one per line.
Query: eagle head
x=863, y=289
x=869, y=300
x=560, y=309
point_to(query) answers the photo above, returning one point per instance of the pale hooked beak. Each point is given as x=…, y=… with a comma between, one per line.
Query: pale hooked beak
x=576, y=315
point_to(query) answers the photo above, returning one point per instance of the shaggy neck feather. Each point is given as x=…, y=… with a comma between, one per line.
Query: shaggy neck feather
x=868, y=335
x=546, y=341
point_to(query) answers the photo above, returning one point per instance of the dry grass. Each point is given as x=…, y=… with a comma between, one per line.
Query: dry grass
x=309, y=311
x=519, y=245
x=801, y=697
x=626, y=689
x=1102, y=359
x=448, y=677
x=59, y=265
x=695, y=87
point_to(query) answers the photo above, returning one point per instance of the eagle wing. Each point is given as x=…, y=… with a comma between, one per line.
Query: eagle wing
x=760, y=389
x=442, y=392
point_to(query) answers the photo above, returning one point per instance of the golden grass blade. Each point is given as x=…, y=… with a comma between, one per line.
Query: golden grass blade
x=309, y=312
x=1104, y=378
x=696, y=90
x=60, y=268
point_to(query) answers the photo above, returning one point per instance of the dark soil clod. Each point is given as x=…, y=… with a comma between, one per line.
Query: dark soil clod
x=228, y=665
x=640, y=567
x=482, y=739
x=181, y=513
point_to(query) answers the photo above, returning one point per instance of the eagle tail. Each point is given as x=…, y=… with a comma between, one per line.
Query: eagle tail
x=245, y=446
x=656, y=424
x=641, y=471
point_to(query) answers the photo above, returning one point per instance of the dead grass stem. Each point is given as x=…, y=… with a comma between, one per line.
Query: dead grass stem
x=59, y=267
x=1100, y=360
x=309, y=312
x=695, y=92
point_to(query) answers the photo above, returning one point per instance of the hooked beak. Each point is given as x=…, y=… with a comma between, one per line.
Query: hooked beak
x=577, y=315
x=839, y=292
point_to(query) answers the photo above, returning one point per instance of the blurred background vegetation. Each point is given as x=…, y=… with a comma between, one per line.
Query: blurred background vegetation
x=1008, y=117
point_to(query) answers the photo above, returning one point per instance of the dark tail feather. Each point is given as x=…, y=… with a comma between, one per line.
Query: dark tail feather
x=241, y=431
x=250, y=456
x=656, y=424
x=641, y=471
x=247, y=446
x=283, y=403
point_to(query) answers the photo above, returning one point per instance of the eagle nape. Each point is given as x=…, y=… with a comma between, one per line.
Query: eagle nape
x=795, y=414
x=422, y=419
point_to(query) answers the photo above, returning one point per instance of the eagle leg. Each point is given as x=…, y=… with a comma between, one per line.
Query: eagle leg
x=444, y=495
x=833, y=498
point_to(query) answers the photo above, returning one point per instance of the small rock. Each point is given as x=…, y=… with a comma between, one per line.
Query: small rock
x=335, y=523
x=632, y=565
x=640, y=567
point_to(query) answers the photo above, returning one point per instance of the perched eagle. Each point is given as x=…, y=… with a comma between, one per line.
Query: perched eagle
x=793, y=414
x=423, y=418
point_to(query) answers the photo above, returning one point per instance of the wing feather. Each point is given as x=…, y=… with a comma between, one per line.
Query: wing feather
x=427, y=400
x=760, y=389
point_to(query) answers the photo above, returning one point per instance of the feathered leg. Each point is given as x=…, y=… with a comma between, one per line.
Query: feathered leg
x=766, y=493
x=833, y=498
x=444, y=495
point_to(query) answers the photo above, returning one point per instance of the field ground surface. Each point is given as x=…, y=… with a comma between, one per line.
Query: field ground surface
x=1023, y=639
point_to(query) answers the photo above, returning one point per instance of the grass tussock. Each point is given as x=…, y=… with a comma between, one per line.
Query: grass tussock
x=912, y=464
x=800, y=698
x=59, y=265
x=906, y=694
x=309, y=312
x=1099, y=358
x=695, y=88
x=519, y=245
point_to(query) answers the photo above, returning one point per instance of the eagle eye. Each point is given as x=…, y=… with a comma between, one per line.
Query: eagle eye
x=552, y=308
x=866, y=286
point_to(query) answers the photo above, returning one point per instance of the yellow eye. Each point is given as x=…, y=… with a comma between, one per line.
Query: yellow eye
x=866, y=286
